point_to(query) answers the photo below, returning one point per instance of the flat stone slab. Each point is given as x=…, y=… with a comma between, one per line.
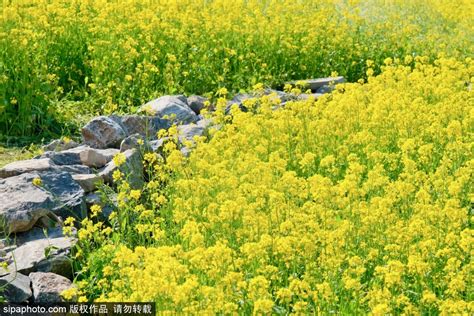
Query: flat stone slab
x=38, y=233
x=43, y=253
x=40, y=164
x=24, y=166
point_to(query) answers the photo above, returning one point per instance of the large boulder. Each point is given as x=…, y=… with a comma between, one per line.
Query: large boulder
x=47, y=287
x=16, y=287
x=23, y=203
x=132, y=169
x=171, y=106
x=146, y=126
x=45, y=253
x=104, y=132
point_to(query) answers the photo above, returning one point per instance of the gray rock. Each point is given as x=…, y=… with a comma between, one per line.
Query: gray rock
x=132, y=142
x=92, y=198
x=38, y=233
x=40, y=164
x=67, y=194
x=73, y=169
x=283, y=96
x=91, y=157
x=187, y=132
x=205, y=123
x=48, y=221
x=47, y=287
x=22, y=203
x=45, y=254
x=196, y=103
x=16, y=287
x=306, y=96
x=238, y=100
x=314, y=84
x=132, y=168
x=157, y=145
x=62, y=158
x=241, y=97
x=325, y=89
x=109, y=153
x=23, y=166
x=171, y=106
x=146, y=126
x=230, y=104
x=108, y=204
x=59, y=145
x=186, y=151
x=104, y=132
x=95, y=158
x=88, y=182
x=98, y=158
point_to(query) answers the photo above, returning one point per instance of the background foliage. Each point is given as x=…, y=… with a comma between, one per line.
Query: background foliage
x=60, y=59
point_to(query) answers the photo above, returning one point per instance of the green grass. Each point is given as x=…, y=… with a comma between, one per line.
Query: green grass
x=115, y=57
x=11, y=154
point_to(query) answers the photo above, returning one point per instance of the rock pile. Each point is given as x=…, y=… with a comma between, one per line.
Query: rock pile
x=36, y=195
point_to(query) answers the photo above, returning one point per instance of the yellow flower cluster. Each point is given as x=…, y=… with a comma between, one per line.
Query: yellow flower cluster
x=359, y=202
x=115, y=55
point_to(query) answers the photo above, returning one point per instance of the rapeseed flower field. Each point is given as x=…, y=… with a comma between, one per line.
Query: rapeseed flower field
x=62, y=58
x=357, y=203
